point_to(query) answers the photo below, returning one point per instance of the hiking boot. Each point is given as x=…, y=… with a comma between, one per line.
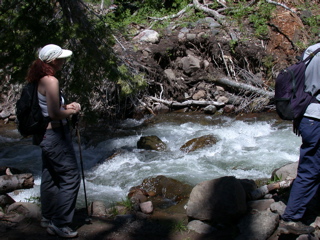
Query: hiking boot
x=296, y=228
x=44, y=222
x=64, y=232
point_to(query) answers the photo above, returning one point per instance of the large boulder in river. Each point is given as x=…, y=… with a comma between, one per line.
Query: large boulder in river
x=151, y=143
x=162, y=190
x=196, y=143
x=288, y=171
x=221, y=200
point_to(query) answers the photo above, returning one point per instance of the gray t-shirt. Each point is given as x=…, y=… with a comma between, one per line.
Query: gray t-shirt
x=313, y=80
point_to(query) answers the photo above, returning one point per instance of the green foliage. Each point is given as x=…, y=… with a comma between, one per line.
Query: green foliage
x=127, y=204
x=29, y=25
x=233, y=44
x=258, y=14
x=275, y=178
x=239, y=11
x=180, y=226
x=261, y=17
x=114, y=211
x=26, y=26
x=310, y=17
x=130, y=84
x=32, y=199
x=137, y=12
x=314, y=23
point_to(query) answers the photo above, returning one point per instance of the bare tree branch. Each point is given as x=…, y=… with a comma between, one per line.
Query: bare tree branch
x=282, y=5
x=207, y=10
x=174, y=15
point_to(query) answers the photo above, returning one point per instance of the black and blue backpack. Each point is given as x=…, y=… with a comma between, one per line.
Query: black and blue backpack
x=291, y=99
x=30, y=120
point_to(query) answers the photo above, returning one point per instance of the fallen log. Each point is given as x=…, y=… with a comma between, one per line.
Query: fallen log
x=9, y=183
x=242, y=86
x=174, y=104
x=265, y=189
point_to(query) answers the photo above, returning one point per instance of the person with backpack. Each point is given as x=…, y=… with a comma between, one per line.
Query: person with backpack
x=306, y=184
x=60, y=180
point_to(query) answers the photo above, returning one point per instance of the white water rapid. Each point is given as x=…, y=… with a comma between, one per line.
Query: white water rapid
x=248, y=147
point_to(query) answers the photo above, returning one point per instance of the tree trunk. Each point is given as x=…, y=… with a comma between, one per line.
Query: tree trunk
x=174, y=104
x=9, y=183
x=242, y=86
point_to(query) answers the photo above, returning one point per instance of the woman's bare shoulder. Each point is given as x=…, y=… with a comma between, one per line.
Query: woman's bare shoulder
x=49, y=79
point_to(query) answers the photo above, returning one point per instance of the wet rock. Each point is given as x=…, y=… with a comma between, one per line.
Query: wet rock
x=221, y=200
x=19, y=214
x=137, y=195
x=288, y=171
x=210, y=109
x=97, y=208
x=4, y=114
x=260, y=205
x=278, y=207
x=151, y=143
x=165, y=188
x=146, y=207
x=228, y=108
x=258, y=225
x=200, y=227
x=307, y=237
x=197, y=143
x=161, y=108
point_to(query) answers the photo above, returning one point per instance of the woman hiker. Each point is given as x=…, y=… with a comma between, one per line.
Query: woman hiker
x=60, y=179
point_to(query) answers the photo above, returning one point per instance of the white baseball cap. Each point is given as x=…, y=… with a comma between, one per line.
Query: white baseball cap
x=51, y=52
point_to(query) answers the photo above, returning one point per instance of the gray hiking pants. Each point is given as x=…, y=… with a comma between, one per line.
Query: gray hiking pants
x=60, y=179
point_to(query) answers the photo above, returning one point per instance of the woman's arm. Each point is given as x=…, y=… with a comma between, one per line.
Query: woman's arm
x=49, y=85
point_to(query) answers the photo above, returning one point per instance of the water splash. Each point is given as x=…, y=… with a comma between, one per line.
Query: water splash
x=245, y=149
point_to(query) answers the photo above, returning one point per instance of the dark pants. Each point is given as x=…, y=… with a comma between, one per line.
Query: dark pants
x=307, y=181
x=60, y=180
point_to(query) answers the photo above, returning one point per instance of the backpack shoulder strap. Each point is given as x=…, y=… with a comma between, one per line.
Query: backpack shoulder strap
x=311, y=55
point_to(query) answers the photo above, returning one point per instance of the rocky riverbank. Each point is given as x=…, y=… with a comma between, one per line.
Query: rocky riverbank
x=164, y=208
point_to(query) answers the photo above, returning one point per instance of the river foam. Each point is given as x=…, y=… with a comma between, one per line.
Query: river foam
x=246, y=148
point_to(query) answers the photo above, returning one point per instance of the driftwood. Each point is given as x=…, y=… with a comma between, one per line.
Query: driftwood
x=174, y=104
x=265, y=189
x=242, y=86
x=9, y=183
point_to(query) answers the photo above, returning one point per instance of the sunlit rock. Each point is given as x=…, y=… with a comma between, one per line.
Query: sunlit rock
x=197, y=143
x=151, y=143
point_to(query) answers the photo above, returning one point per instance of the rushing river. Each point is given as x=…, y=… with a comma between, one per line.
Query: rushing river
x=251, y=146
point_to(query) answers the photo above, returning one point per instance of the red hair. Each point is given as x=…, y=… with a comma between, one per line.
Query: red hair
x=38, y=70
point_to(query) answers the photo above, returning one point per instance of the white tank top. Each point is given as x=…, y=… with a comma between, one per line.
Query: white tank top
x=43, y=104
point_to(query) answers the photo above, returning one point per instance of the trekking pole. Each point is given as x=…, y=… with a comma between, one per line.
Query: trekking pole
x=76, y=126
